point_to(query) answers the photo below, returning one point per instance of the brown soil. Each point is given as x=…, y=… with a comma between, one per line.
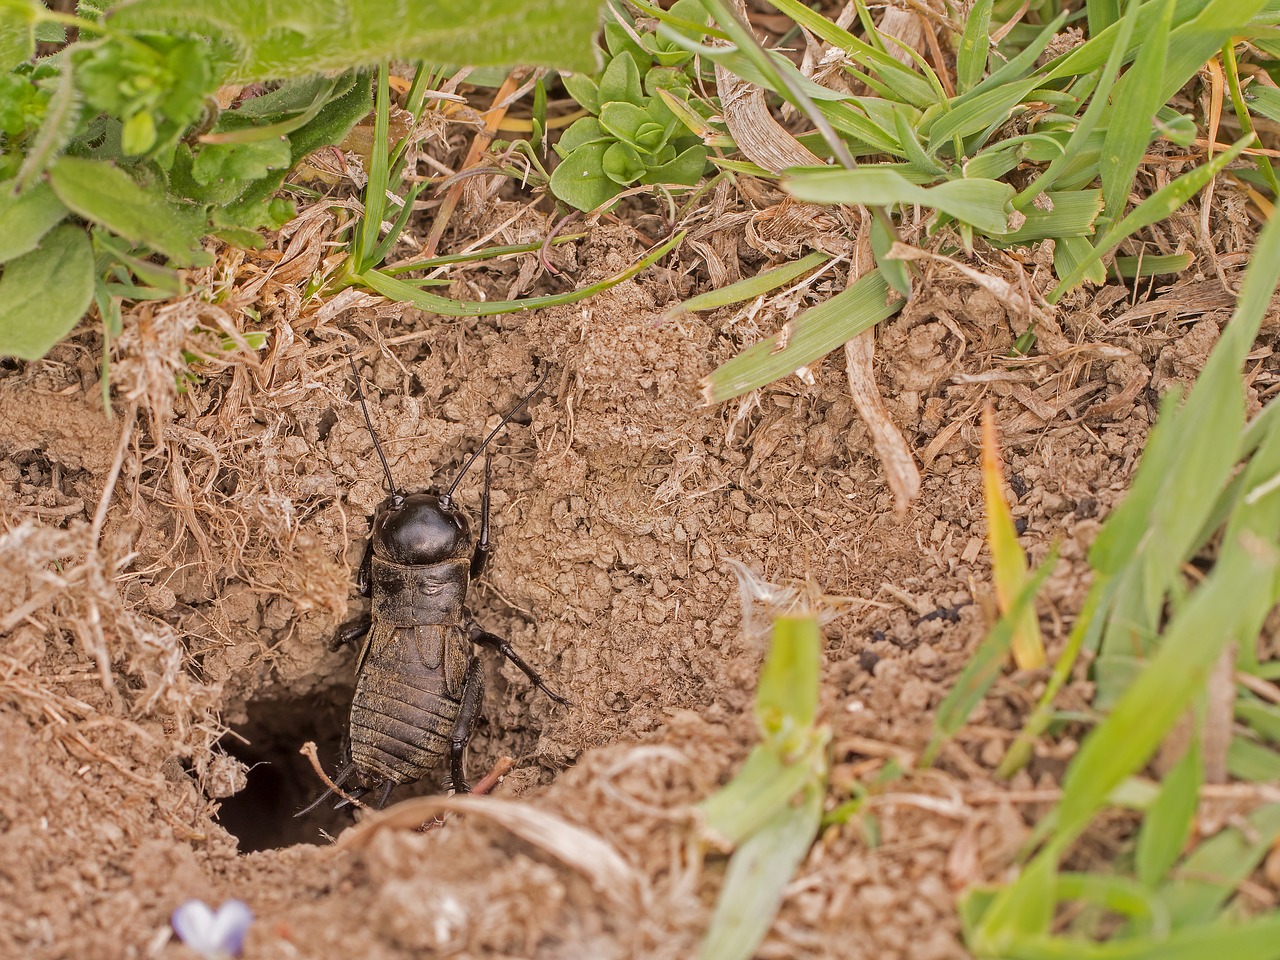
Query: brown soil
x=160, y=670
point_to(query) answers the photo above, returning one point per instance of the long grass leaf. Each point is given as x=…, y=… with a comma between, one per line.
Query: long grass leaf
x=1098, y=105
x=787, y=695
x=909, y=85
x=1159, y=206
x=752, y=287
x=807, y=338
x=975, y=43
x=1231, y=602
x=1136, y=103
x=1066, y=213
x=974, y=112
x=1257, y=939
x=1214, y=870
x=375, y=191
x=1167, y=825
x=758, y=873
x=1229, y=606
x=982, y=203
x=395, y=289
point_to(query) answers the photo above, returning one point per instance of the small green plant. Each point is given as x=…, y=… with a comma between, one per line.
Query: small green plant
x=1206, y=478
x=769, y=814
x=633, y=135
x=116, y=160
x=370, y=244
x=1010, y=148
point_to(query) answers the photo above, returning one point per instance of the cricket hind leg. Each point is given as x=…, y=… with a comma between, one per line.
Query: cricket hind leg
x=494, y=642
x=460, y=736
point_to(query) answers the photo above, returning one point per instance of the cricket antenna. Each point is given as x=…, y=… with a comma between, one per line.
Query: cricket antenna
x=391, y=484
x=448, y=494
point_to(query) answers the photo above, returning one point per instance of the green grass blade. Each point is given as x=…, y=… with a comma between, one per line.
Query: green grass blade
x=1074, y=256
x=982, y=203
x=914, y=149
x=1199, y=34
x=1231, y=68
x=759, y=871
x=1262, y=718
x=1018, y=912
x=397, y=226
x=1191, y=452
x=971, y=61
x=1136, y=103
x=1229, y=606
x=808, y=337
x=847, y=119
x=787, y=697
x=1103, y=13
x=1154, y=266
x=911, y=87
x=975, y=112
x=1119, y=895
x=1025, y=61
x=1213, y=871
x=475, y=256
x=764, y=785
x=1257, y=939
x=1098, y=105
x=1252, y=762
x=752, y=287
x=1066, y=213
x=1159, y=206
x=985, y=666
x=398, y=290
x=375, y=191
x=1168, y=823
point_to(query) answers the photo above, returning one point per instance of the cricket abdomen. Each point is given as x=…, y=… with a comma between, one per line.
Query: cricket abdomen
x=407, y=700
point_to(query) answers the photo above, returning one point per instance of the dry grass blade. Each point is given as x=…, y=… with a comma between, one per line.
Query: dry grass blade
x=760, y=137
x=1009, y=563
x=580, y=849
x=891, y=447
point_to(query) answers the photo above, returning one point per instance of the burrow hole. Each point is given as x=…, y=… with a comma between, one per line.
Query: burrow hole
x=280, y=780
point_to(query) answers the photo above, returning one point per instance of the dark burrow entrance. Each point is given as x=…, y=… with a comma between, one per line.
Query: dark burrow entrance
x=281, y=781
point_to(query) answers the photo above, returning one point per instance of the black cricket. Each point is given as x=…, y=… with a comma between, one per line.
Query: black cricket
x=419, y=683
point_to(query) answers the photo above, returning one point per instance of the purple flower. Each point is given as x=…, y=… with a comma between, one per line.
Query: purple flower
x=214, y=936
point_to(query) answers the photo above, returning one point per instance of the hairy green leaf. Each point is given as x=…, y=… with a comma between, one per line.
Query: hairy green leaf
x=104, y=194
x=281, y=40
x=26, y=217
x=44, y=293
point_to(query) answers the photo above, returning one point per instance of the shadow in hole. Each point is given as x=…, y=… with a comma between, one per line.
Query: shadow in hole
x=281, y=781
